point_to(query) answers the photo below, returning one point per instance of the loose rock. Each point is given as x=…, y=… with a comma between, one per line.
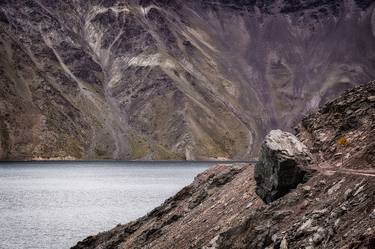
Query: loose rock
x=319, y=236
x=284, y=244
x=282, y=165
x=372, y=215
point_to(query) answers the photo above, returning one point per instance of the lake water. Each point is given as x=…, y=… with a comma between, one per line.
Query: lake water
x=54, y=205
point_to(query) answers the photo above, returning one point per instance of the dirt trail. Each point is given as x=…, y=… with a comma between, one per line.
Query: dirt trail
x=370, y=173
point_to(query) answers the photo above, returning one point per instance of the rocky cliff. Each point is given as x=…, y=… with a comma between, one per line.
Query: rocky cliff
x=171, y=79
x=335, y=208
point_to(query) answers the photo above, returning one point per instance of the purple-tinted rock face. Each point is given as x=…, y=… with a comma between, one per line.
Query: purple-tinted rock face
x=171, y=79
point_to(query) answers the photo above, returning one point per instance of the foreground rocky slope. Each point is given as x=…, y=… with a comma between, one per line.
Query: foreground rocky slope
x=171, y=79
x=335, y=208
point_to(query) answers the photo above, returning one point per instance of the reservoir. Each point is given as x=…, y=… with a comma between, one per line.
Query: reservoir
x=53, y=205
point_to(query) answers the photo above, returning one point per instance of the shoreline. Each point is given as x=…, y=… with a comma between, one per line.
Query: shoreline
x=128, y=161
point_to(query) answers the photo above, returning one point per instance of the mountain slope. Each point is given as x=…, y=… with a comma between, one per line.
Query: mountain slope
x=220, y=209
x=171, y=79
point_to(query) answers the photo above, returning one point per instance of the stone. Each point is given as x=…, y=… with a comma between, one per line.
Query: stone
x=196, y=200
x=359, y=190
x=348, y=193
x=304, y=204
x=337, y=155
x=322, y=182
x=279, y=215
x=372, y=215
x=306, y=189
x=337, y=223
x=283, y=164
x=371, y=98
x=335, y=187
x=320, y=212
x=249, y=205
x=284, y=244
x=319, y=236
x=306, y=227
x=213, y=243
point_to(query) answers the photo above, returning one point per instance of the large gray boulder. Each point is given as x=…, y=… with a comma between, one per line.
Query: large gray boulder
x=282, y=165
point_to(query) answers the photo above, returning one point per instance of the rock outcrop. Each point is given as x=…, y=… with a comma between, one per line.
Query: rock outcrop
x=350, y=117
x=171, y=79
x=283, y=164
x=220, y=209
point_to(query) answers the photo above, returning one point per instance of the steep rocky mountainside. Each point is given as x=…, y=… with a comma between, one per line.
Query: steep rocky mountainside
x=171, y=79
x=335, y=208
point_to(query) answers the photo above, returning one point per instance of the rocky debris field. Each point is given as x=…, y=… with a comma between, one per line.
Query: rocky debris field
x=327, y=212
x=333, y=208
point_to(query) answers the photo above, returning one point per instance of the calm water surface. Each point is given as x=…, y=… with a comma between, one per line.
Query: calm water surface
x=54, y=205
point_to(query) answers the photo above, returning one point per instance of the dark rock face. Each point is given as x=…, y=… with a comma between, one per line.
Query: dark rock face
x=282, y=165
x=171, y=79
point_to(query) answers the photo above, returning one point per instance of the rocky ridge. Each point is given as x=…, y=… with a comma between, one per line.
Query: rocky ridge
x=334, y=209
x=171, y=79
